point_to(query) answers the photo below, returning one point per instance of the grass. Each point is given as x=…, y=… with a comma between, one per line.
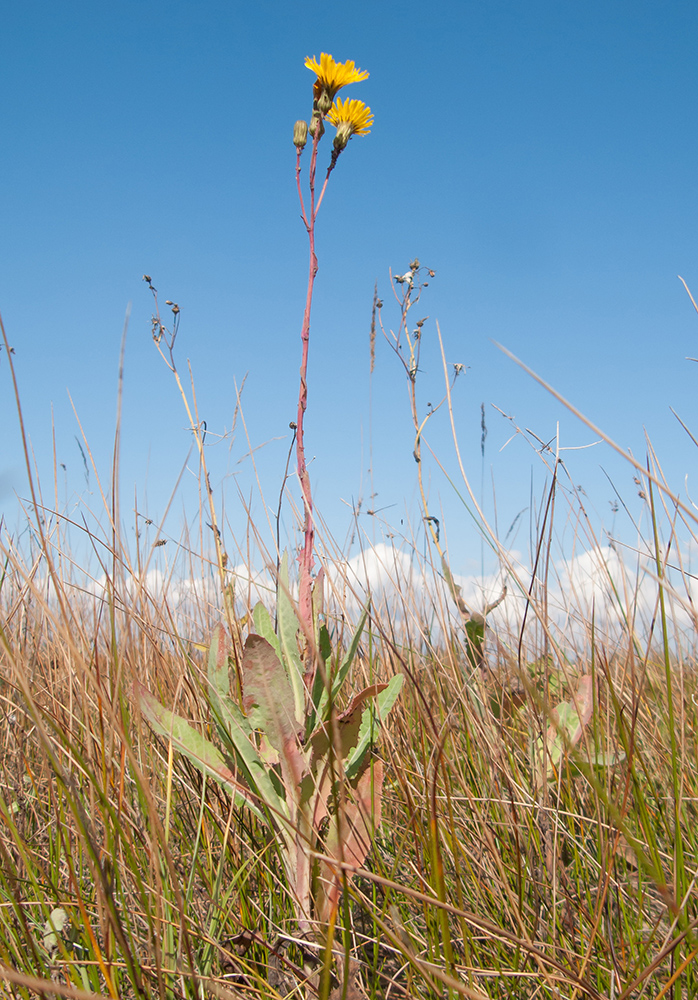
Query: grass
x=512, y=861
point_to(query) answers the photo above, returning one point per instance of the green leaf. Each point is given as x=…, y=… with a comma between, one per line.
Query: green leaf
x=602, y=759
x=475, y=635
x=265, y=627
x=567, y=725
x=189, y=742
x=324, y=643
x=218, y=681
x=339, y=678
x=319, y=680
x=209, y=760
x=598, y=758
x=371, y=721
x=287, y=623
x=53, y=930
x=387, y=698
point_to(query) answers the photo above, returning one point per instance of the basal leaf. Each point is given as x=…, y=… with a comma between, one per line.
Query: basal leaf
x=351, y=653
x=218, y=681
x=267, y=688
x=265, y=627
x=348, y=724
x=350, y=837
x=387, y=698
x=190, y=742
x=569, y=721
x=287, y=623
x=209, y=760
x=325, y=768
x=368, y=734
x=371, y=720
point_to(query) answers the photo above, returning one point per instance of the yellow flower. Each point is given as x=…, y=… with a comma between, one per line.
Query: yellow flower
x=350, y=118
x=332, y=76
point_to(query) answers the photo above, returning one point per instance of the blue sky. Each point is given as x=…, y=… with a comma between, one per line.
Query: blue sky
x=541, y=157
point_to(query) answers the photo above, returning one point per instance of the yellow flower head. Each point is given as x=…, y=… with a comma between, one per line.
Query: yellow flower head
x=332, y=76
x=350, y=118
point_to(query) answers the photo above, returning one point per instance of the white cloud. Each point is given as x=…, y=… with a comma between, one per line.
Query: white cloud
x=611, y=588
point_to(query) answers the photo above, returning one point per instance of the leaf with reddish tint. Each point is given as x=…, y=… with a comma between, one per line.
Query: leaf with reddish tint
x=268, y=691
x=227, y=713
x=349, y=723
x=350, y=837
x=264, y=626
x=326, y=769
x=357, y=729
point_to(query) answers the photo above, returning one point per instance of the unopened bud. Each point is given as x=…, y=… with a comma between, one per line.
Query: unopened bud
x=344, y=133
x=324, y=102
x=317, y=125
x=300, y=134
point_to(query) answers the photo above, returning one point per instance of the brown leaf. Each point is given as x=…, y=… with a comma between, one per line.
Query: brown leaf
x=349, y=723
x=350, y=837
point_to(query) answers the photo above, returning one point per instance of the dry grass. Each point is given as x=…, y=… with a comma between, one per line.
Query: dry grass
x=514, y=859
x=483, y=879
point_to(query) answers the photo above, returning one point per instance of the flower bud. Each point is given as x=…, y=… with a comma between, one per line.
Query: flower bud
x=324, y=102
x=300, y=134
x=317, y=125
x=344, y=133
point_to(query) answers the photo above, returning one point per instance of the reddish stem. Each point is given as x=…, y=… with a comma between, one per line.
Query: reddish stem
x=305, y=598
x=324, y=186
x=299, y=150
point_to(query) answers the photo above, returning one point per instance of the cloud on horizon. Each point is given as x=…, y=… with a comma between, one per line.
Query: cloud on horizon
x=602, y=587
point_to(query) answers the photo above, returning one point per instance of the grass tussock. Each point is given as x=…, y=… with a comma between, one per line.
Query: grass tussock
x=515, y=858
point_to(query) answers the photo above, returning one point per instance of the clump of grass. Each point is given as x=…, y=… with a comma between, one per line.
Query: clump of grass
x=500, y=869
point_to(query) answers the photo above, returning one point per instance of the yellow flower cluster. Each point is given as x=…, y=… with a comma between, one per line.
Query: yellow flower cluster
x=348, y=117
